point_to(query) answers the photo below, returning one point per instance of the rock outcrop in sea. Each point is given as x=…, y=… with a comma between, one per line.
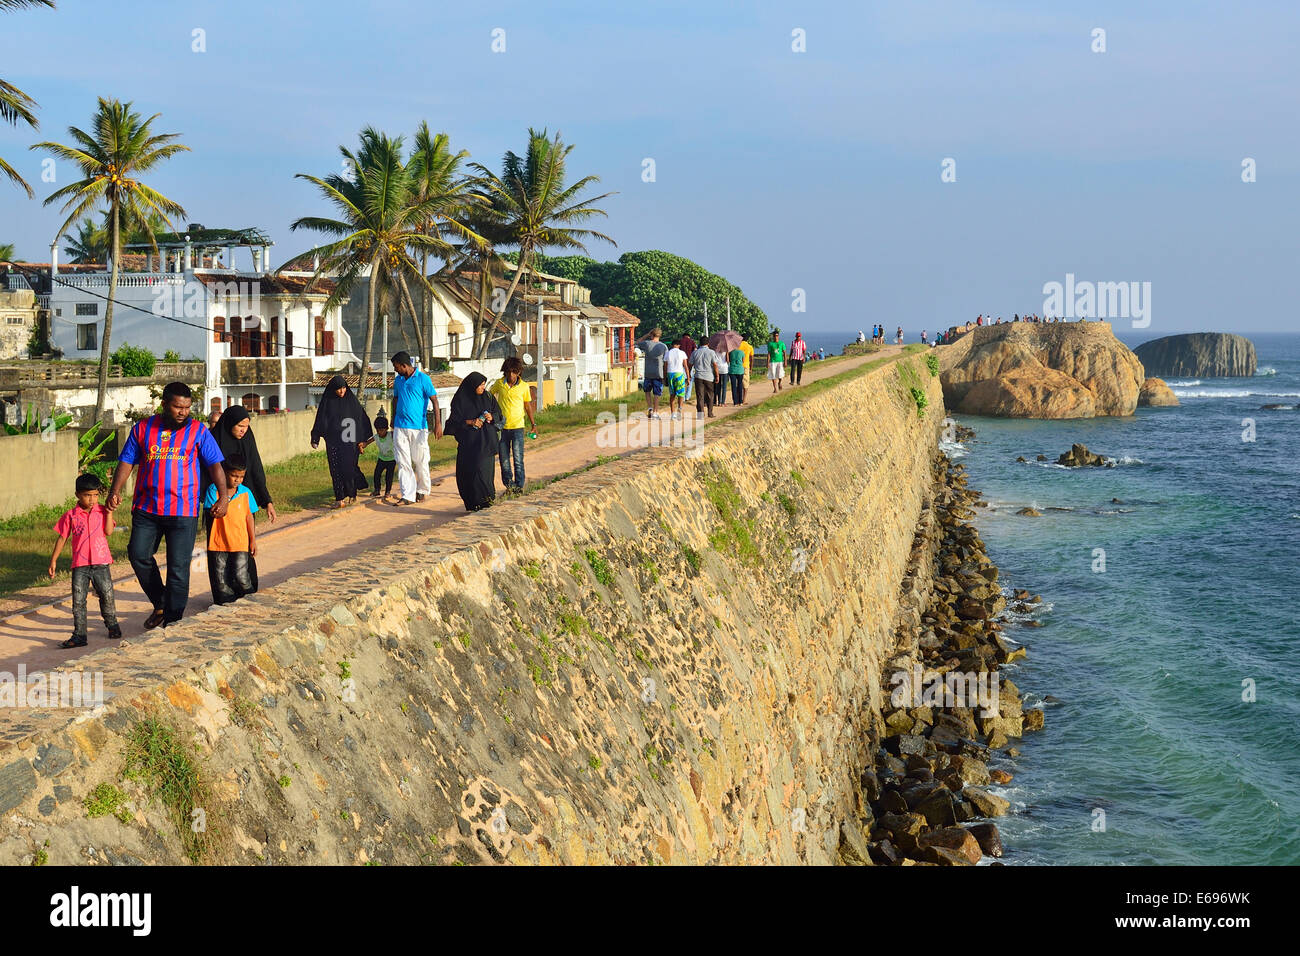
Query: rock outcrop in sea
x=1034, y=370
x=1157, y=394
x=1199, y=355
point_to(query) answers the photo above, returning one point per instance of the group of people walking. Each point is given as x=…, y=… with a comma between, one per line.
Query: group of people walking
x=707, y=369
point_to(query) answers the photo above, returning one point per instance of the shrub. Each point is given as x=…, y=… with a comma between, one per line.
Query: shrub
x=932, y=363
x=135, y=362
x=171, y=355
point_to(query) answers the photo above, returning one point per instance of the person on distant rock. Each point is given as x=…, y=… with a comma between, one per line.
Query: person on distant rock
x=900, y=335
x=861, y=338
x=924, y=340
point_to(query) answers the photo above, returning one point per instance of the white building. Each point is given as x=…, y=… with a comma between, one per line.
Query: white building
x=263, y=337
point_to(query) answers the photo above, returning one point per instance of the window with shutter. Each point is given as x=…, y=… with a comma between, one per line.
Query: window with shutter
x=219, y=328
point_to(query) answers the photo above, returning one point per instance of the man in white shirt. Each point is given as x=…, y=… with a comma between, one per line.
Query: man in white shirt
x=675, y=366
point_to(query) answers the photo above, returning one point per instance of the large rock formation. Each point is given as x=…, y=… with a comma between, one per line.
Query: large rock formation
x=1157, y=393
x=1033, y=370
x=1199, y=355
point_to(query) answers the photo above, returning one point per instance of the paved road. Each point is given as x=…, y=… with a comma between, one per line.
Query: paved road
x=320, y=537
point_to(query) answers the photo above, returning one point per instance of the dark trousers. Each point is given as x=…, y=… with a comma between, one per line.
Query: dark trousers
x=232, y=574
x=100, y=577
x=737, y=388
x=796, y=371
x=147, y=532
x=385, y=469
x=720, y=390
x=511, y=446
x=704, y=396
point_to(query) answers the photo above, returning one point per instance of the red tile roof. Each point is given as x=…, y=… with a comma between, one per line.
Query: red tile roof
x=619, y=316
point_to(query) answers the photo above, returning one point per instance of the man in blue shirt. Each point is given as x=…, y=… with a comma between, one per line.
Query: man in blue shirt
x=412, y=392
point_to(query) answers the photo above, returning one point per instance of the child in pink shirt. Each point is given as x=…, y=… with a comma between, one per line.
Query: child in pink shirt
x=88, y=525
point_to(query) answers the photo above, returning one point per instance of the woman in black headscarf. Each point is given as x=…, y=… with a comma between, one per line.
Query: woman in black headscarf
x=234, y=434
x=343, y=424
x=473, y=421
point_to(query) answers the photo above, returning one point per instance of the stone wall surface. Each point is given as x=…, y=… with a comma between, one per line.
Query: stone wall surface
x=36, y=472
x=671, y=658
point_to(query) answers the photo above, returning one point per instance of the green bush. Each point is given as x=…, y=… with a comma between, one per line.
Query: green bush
x=932, y=363
x=171, y=355
x=135, y=362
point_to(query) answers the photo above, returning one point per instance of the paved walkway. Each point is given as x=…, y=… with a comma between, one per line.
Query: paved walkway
x=319, y=537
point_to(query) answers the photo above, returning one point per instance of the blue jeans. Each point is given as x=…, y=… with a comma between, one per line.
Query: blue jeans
x=147, y=531
x=512, y=446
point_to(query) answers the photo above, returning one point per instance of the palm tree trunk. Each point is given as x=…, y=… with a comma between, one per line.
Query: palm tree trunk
x=425, y=316
x=405, y=294
x=102, y=392
x=372, y=297
x=514, y=283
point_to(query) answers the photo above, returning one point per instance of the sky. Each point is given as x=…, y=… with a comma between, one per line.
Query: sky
x=818, y=171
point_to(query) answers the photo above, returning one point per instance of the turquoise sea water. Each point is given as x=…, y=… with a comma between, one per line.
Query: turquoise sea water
x=1148, y=657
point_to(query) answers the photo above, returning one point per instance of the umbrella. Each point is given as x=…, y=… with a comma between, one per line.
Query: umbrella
x=724, y=341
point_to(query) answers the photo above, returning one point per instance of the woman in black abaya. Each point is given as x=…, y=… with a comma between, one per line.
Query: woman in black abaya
x=234, y=436
x=473, y=419
x=343, y=424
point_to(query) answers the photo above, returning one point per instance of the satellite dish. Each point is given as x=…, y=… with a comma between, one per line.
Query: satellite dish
x=514, y=338
x=528, y=359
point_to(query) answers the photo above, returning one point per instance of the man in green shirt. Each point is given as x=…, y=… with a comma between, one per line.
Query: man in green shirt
x=776, y=363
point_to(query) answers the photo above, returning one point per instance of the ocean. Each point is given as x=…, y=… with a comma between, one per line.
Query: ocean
x=1169, y=615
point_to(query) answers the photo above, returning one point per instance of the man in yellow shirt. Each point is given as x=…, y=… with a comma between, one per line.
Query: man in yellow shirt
x=516, y=400
x=749, y=358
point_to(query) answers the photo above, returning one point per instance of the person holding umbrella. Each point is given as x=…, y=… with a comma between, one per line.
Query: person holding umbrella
x=723, y=343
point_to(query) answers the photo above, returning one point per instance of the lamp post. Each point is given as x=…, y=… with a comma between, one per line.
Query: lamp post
x=568, y=387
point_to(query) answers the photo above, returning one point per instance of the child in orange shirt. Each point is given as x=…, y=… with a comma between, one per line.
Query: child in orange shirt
x=232, y=538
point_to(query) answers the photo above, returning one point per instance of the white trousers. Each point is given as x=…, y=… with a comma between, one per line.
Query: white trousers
x=411, y=447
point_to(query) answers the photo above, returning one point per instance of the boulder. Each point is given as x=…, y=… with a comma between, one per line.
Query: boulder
x=989, y=804
x=1079, y=457
x=990, y=841
x=902, y=829
x=1033, y=370
x=1199, y=355
x=1030, y=512
x=954, y=839
x=1156, y=394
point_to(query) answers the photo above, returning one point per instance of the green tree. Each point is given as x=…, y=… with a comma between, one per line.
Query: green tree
x=90, y=244
x=136, y=362
x=379, y=227
x=533, y=207
x=6, y=252
x=15, y=105
x=122, y=146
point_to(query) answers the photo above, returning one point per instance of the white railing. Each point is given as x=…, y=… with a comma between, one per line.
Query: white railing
x=125, y=280
x=43, y=302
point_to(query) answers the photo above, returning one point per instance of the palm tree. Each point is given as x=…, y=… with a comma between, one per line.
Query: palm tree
x=15, y=105
x=535, y=209
x=436, y=175
x=379, y=226
x=122, y=146
x=90, y=243
x=6, y=252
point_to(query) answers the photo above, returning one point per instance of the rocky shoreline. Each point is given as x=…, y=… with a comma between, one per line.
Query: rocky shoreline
x=948, y=710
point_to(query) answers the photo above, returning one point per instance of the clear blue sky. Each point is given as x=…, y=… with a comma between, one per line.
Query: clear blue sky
x=780, y=170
